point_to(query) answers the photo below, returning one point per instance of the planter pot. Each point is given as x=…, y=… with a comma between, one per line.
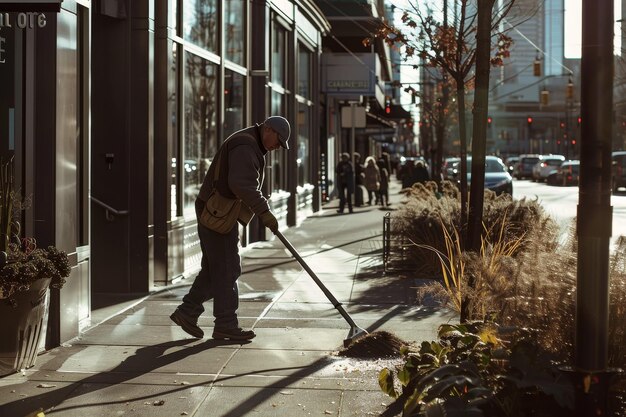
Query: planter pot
x=23, y=327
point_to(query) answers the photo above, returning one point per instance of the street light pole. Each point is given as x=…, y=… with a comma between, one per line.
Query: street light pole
x=594, y=218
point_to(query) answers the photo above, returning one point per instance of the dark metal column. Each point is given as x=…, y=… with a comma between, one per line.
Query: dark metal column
x=594, y=210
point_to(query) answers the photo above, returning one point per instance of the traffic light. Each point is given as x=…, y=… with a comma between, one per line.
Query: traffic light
x=573, y=142
x=387, y=105
x=537, y=67
x=569, y=90
x=489, y=120
x=562, y=125
x=580, y=119
x=529, y=120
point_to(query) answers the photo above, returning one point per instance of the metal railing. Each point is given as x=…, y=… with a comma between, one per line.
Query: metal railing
x=108, y=210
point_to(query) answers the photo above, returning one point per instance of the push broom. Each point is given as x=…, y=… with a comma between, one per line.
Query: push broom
x=355, y=331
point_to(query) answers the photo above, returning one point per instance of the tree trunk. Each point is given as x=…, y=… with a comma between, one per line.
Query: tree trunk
x=479, y=133
x=460, y=98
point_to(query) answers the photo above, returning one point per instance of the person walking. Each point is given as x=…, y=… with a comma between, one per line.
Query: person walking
x=384, y=182
x=420, y=173
x=358, y=180
x=371, y=180
x=240, y=166
x=345, y=182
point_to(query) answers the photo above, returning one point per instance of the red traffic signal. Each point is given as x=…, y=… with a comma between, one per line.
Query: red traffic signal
x=529, y=120
x=580, y=119
x=562, y=124
x=489, y=120
x=387, y=105
x=573, y=141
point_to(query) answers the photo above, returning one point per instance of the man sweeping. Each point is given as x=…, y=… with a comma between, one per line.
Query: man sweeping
x=241, y=162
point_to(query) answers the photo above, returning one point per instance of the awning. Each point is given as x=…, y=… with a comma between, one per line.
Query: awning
x=31, y=6
x=374, y=120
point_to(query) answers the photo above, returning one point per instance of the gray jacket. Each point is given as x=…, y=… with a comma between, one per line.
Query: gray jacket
x=242, y=176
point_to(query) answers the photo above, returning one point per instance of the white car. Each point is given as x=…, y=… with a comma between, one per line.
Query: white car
x=546, y=165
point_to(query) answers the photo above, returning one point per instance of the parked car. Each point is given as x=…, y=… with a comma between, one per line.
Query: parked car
x=618, y=170
x=524, y=167
x=566, y=174
x=510, y=163
x=447, y=169
x=546, y=165
x=497, y=177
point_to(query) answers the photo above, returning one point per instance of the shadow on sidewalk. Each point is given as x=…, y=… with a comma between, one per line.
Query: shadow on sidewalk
x=144, y=361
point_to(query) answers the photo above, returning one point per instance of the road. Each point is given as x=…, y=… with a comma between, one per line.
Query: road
x=561, y=203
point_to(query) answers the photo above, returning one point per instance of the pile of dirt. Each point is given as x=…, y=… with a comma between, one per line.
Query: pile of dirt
x=380, y=344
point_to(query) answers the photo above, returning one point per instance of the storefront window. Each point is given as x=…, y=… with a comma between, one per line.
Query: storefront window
x=200, y=125
x=173, y=15
x=304, y=134
x=172, y=134
x=279, y=174
x=235, y=25
x=279, y=37
x=233, y=102
x=201, y=23
x=304, y=72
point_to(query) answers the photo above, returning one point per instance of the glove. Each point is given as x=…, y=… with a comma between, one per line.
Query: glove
x=269, y=221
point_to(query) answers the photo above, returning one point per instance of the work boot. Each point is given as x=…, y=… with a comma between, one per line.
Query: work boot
x=186, y=323
x=233, y=334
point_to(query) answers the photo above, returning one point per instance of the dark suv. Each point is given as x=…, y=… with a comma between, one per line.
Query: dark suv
x=618, y=170
x=524, y=167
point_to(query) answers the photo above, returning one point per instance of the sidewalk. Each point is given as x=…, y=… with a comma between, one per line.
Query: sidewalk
x=138, y=363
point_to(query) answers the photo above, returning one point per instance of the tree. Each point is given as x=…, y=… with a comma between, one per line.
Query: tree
x=456, y=49
x=452, y=49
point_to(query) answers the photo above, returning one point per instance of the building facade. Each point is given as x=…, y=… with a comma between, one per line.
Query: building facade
x=113, y=111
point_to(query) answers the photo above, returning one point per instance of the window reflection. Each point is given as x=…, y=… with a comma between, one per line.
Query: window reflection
x=278, y=157
x=201, y=23
x=233, y=102
x=279, y=37
x=235, y=30
x=303, y=161
x=200, y=125
x=304, y=72
x=172, y=134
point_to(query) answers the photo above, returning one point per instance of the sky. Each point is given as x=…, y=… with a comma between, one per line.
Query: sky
x=573, y=27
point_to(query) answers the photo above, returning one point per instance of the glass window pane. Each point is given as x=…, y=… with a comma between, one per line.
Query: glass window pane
x=235, y=30
x=303, y=161
x=200, y=125
x=304, y=72
x=172, y=15
x=172, y=134
x=278, y=157
x=233, y=102
x=278, y=54
x=201, y=23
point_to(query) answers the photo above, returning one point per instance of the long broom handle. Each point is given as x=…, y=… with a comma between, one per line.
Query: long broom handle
x=319, y=283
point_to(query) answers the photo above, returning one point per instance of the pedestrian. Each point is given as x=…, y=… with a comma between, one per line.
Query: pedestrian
x=345, y=182
x=406, y=173
x=420, y=173
x=371, y=180
x=238, y=175
x=384, y=182
x=358, y=176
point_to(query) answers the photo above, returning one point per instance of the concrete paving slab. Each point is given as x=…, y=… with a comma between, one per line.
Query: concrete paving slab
x=206, y=356
x=97, y=400
x=366, y=403
x=24, y=399
x=326, y=340
x=265, y=402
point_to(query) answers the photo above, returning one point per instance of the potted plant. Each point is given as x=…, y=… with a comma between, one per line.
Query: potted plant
x=26, y=273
